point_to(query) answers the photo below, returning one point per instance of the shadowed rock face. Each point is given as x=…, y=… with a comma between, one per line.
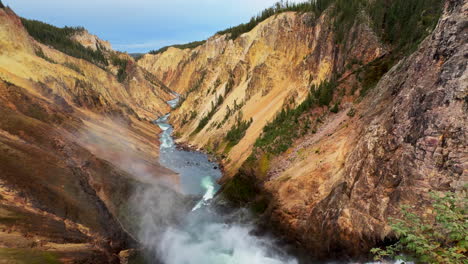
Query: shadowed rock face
x=333, y=191
x=74, y=143
x=409, y=139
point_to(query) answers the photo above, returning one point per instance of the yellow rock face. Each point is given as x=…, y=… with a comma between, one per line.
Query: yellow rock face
x=272, y=66
x=73, y=141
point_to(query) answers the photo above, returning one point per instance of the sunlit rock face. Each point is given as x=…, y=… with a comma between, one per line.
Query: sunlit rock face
x=73, y=143
x=257, y=75
x=91, y=41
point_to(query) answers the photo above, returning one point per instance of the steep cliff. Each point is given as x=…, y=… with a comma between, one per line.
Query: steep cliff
x=74, y=141
x=325, y=132
x=253, y=77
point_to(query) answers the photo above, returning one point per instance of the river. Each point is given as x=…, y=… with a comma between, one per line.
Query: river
x=174, y=234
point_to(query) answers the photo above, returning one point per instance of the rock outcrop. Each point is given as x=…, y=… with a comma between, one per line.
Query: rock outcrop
x=91, y=41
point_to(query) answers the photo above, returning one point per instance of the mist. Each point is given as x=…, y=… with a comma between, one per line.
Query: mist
x=185, y=227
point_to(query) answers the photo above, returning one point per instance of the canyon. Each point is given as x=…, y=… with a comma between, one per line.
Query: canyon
x=321, y=135
x=398, y=130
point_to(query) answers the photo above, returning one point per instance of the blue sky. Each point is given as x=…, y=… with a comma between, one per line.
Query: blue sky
x=143, y=25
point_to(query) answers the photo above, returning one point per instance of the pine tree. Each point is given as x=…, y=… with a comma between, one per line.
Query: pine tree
x=1, y=4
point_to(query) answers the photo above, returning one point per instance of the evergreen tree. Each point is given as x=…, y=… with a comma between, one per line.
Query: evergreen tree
x=60, y=39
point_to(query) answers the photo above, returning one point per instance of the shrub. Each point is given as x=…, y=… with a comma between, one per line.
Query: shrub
x=440, y=237
x=122, y=65
x=373, y=72
x=324, y=92
x=237, y=131
x=404, y=23
x=40, y=53
x=279, y=134
x=122, y=72
x=73, y=66
x=204, y=121
x=335, y=108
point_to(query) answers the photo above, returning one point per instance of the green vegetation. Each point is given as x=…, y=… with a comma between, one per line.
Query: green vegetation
x=278, y=8
x=259, y=206
x=237, y=131
x=335, y=108
x=73, y=66
x=239, y=189
x=189, y=117
x=351, y=112
x=438, y=237
x=229, y=85
x=59, y=38
x=197, y=84
x=190, y=45
x=136, y=56
x=230, y=112
x=1, y=4
x=214, y=107
x=405, y=23
x=40, y=53
x=122, y=64
x=279, y=134
x=401, y=23
x=371, y=73
x=27, y=256
x=324, y=92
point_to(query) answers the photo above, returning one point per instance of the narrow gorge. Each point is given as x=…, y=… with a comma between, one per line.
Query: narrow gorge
x=295, y=138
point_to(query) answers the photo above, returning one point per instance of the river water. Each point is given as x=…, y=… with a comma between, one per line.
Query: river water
x=173, y=233
x=200, y=235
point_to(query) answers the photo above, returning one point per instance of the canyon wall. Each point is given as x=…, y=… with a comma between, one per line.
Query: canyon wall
x=396, y=132
x=74, y=141
x=257, y=75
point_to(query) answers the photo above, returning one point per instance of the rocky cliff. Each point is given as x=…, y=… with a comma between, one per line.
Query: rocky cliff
x=253, y=77
x=329, y=165
x=74, y=140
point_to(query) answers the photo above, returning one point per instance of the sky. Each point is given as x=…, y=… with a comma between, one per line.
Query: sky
x=143, y=25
